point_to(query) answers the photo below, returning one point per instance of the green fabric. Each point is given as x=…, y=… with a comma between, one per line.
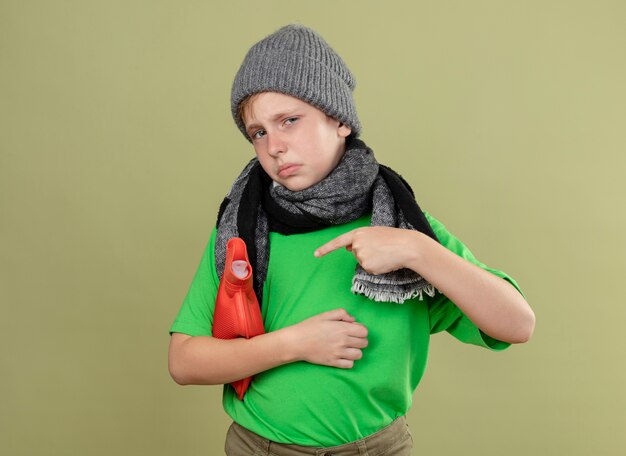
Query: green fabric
x=308, y=404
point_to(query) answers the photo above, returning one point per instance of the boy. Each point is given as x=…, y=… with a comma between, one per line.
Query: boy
x=347, y=330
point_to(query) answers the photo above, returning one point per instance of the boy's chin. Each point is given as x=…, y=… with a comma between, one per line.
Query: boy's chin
x=295, y=186
x=295, y=183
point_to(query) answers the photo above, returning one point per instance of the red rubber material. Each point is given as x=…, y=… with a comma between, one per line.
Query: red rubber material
x=237, y=312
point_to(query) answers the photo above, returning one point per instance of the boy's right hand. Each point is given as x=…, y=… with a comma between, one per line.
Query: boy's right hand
x=331, y=338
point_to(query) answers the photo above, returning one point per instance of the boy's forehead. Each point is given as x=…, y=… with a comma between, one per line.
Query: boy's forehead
x=270, y=105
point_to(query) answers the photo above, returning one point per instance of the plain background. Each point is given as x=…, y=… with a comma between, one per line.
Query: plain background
x=117, y=146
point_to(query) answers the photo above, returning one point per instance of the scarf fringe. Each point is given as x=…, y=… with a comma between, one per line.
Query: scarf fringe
x=358, y=287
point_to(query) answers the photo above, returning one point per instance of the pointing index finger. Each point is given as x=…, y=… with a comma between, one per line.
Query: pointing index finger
x=343, y=240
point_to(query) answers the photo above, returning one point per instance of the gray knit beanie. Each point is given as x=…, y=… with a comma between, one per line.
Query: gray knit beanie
x=297, y=61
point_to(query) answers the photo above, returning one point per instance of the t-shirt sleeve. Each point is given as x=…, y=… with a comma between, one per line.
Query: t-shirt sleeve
x=195, y=316
x=444, y=314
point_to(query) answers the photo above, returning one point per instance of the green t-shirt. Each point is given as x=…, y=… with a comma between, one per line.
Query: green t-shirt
x=309, y=404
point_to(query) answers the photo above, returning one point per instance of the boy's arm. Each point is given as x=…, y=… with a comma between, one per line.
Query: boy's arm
x=490, y=302
x=332, y=338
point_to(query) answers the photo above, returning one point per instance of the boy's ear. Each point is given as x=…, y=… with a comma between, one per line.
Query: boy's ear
x=343, y=130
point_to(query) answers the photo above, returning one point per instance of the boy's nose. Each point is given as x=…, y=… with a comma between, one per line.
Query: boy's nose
x=275, y=145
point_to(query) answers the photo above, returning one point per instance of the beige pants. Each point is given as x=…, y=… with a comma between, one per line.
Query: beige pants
x=393, y=440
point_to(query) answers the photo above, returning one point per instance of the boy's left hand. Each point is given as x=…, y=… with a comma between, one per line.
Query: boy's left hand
x=378, y=249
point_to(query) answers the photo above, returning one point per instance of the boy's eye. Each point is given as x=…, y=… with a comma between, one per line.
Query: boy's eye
x=291, y=120
x=257, y=134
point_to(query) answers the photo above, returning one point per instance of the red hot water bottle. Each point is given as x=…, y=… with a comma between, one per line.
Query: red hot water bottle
x=237, y=312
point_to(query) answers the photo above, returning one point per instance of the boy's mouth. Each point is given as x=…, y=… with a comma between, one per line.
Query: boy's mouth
x=288, y=169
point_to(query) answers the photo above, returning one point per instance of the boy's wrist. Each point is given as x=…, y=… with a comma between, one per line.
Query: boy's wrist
x=415, y=252
x=286, y=345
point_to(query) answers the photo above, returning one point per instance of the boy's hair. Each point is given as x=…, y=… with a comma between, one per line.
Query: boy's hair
x=296, y=61
x=244, y=108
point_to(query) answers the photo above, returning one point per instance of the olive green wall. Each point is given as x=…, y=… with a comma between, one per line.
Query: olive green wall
x=116, y=147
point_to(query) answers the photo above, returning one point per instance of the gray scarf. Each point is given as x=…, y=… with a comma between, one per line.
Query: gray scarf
x=254, y=206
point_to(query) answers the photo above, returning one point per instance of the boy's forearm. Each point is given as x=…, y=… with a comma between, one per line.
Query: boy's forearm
x=211, y=361
x=490, y=302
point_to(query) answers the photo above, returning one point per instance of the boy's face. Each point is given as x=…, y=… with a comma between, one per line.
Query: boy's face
x=297, y=144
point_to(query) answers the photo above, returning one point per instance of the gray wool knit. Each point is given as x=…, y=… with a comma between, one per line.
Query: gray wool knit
x=351, y=190
x=297, y=61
